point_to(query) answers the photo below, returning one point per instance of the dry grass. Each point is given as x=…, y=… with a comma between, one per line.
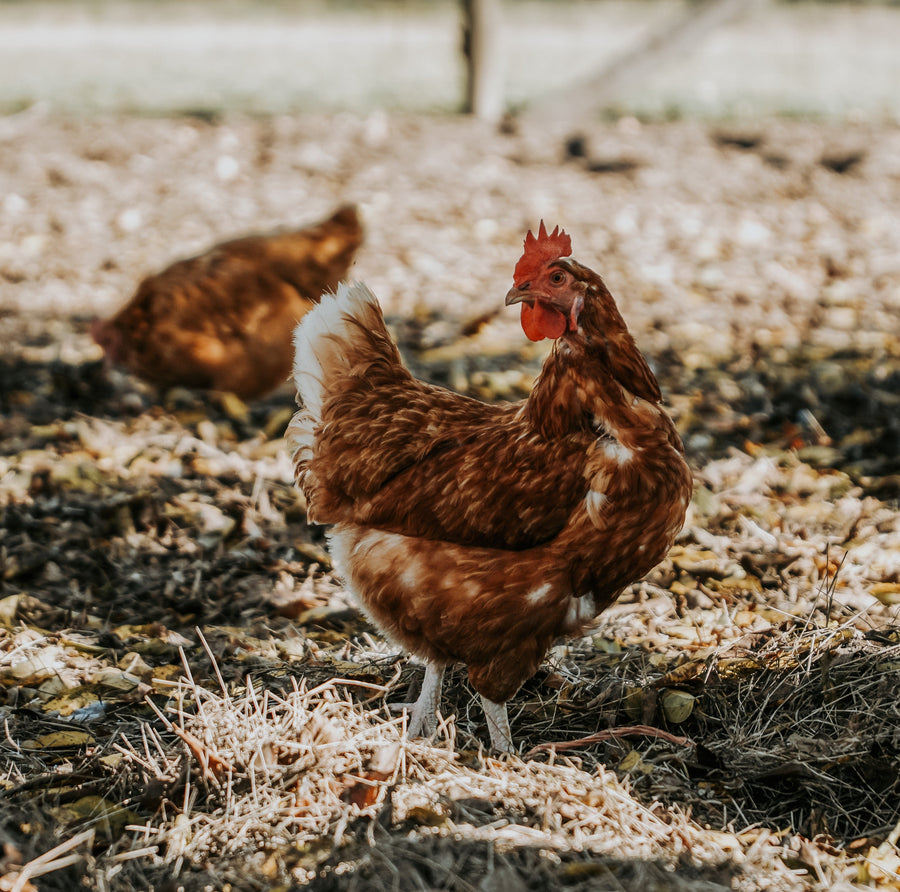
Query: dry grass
x=788, y=752
x=732, y=723
x=313, y=784
x=318, y=785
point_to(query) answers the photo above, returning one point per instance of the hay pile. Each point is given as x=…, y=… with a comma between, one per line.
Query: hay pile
x=312, y=785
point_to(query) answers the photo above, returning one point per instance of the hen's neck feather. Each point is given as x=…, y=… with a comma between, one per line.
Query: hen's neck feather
x=596, y=378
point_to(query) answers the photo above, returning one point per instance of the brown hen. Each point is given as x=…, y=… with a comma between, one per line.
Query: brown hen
x=223, y=319
x=480, y=533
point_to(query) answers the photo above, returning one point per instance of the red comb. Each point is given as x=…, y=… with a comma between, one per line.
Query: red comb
x=540, y=251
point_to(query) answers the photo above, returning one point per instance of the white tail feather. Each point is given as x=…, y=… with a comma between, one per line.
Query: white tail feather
x=318, y=341
x=320, y=345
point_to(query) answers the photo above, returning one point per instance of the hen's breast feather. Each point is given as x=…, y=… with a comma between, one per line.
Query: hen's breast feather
x=448, y=602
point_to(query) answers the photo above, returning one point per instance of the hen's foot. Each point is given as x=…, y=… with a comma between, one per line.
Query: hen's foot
x=422, y=716
x=498, y=725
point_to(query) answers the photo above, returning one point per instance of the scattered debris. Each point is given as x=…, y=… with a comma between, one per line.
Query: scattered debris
x=182, y=675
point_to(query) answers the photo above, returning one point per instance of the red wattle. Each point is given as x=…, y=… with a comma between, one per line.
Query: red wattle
x=540, y=321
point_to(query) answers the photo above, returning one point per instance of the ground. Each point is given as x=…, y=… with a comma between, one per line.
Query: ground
x=190, y=698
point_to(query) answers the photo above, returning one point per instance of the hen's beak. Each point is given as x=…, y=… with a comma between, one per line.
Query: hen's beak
x=518, y=295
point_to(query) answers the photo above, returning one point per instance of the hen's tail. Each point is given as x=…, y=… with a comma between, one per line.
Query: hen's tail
x=339, y=341
x=324, y=348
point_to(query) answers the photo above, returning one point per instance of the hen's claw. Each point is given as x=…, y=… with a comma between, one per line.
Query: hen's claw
x=423, y=718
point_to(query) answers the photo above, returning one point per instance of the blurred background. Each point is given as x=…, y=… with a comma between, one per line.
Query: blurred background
x=731, y=166
x=273, y=56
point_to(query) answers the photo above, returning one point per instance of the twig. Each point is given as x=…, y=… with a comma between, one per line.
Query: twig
x=213, y=660
x=135, y=853
x=611, y=734
x=210, y=762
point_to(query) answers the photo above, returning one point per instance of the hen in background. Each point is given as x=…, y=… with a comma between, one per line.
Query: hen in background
x=481, y=533
x=223, y=319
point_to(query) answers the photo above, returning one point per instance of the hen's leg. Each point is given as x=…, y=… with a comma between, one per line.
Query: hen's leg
x=422, y=720
x=498, y=725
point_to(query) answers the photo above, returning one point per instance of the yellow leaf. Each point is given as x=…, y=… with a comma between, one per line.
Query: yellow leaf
x=634, y=762
x=277, y=422
x=737, y=666
x=677, y=705
x=606, y=645
x=149, y=630
x=579, y=870
x=8, y=608
x=634, y=703
x=234, y=407
x=59, y=739
x=168, y=672
x=105, y=816
x=427, y=815
x=70, y=701
x=695, y=560
x=886, y=592
x=83, y=646
x=686, y=672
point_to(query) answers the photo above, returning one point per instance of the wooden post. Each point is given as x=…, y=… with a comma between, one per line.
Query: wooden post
x=484, y=64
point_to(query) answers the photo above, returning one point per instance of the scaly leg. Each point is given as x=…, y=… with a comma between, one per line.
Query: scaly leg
x=422, y=719
x=498, y=725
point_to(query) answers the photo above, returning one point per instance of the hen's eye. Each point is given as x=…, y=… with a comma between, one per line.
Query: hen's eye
x=557, y=278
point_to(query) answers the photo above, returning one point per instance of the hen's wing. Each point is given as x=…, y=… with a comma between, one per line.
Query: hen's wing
x=374, y=446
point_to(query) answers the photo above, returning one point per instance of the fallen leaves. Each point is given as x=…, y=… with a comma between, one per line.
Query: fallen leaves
x=60, y=740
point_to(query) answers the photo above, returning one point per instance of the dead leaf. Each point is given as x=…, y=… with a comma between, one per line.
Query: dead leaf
x=116, y=679
x=59, y=740
x=886, y=592
x=234, y=407
x=103, y=815
x=633, y=763
x=35, y=668
x=677, y=706
x=71, y=701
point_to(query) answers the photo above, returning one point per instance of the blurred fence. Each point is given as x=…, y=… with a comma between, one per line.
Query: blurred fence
x=197, y=55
